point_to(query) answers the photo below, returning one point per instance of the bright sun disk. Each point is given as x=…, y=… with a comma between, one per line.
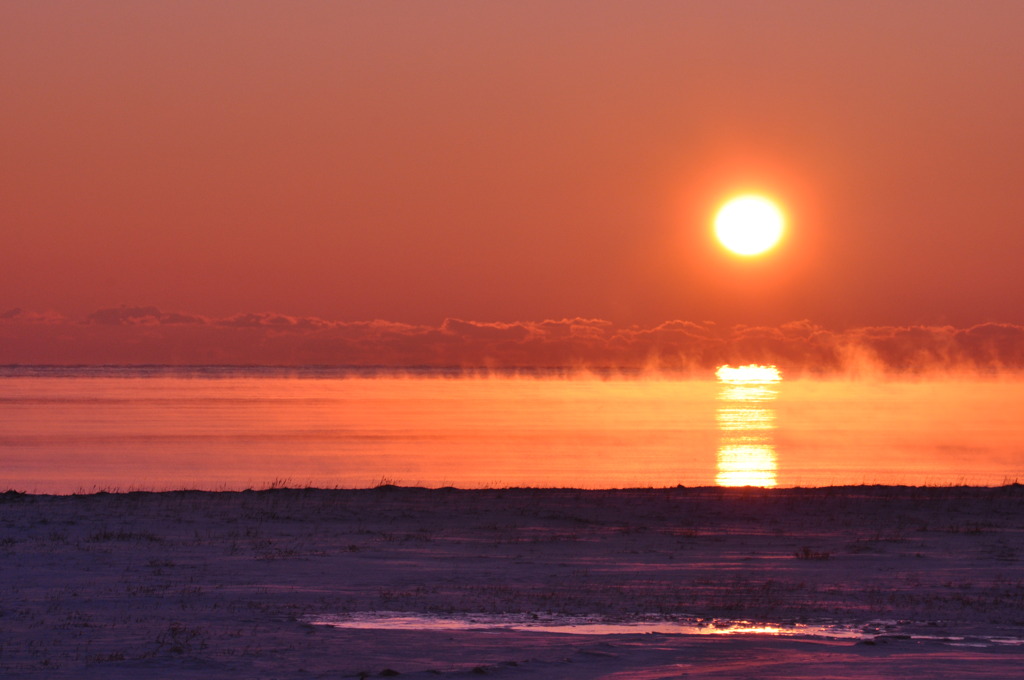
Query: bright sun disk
x=749, y=225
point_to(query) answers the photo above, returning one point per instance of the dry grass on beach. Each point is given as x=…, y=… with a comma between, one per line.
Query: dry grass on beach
x=227, y=584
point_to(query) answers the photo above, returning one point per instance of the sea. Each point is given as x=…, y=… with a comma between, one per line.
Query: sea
x=67, y=430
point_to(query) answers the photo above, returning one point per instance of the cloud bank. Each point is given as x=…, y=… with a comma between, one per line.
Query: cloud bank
x=148, y=335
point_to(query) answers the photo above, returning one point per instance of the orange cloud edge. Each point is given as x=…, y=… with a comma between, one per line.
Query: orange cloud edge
x=150, y=336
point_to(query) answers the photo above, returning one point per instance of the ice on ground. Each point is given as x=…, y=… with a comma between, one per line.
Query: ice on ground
x=595, y=625
x=228, y=585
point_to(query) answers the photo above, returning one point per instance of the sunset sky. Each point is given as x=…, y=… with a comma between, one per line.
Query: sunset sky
x=343, y=162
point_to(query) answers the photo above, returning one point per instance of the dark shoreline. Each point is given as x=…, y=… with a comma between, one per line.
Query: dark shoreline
x=881, y=490
x=214, y=584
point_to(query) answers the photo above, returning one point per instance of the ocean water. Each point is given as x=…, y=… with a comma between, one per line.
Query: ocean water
x=66, y=430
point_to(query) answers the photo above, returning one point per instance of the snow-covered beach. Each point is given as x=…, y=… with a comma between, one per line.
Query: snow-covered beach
x=864, y=581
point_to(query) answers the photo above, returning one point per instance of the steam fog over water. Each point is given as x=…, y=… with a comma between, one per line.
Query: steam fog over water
x=68, y=430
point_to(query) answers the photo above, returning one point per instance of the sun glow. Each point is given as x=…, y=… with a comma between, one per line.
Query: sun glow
x=749, y=225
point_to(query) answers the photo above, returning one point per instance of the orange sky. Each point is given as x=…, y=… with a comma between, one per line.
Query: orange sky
x=512, y=162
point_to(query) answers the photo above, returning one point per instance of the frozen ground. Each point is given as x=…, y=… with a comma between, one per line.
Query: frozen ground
x=814, y=583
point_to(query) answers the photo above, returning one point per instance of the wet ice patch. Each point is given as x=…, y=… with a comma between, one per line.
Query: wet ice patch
x=592, y=625
x=577, y=625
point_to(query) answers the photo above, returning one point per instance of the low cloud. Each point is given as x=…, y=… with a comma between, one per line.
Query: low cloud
x=20, y=315
x=140, y=316
x=148, y=335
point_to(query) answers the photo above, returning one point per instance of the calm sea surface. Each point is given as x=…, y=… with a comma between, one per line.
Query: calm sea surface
x=68, y=430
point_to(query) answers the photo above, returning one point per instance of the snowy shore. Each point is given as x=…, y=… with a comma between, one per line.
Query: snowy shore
x=840, y=582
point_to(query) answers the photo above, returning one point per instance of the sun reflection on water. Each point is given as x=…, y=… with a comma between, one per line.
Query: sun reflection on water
x=751, y=374
x=746, y=420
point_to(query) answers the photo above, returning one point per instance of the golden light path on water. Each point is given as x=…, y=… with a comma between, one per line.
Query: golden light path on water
x=746, y=422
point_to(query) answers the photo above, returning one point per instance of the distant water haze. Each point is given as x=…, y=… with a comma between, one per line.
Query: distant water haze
x=75, y=430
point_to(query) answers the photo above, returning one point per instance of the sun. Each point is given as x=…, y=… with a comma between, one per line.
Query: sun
x=749, y=225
